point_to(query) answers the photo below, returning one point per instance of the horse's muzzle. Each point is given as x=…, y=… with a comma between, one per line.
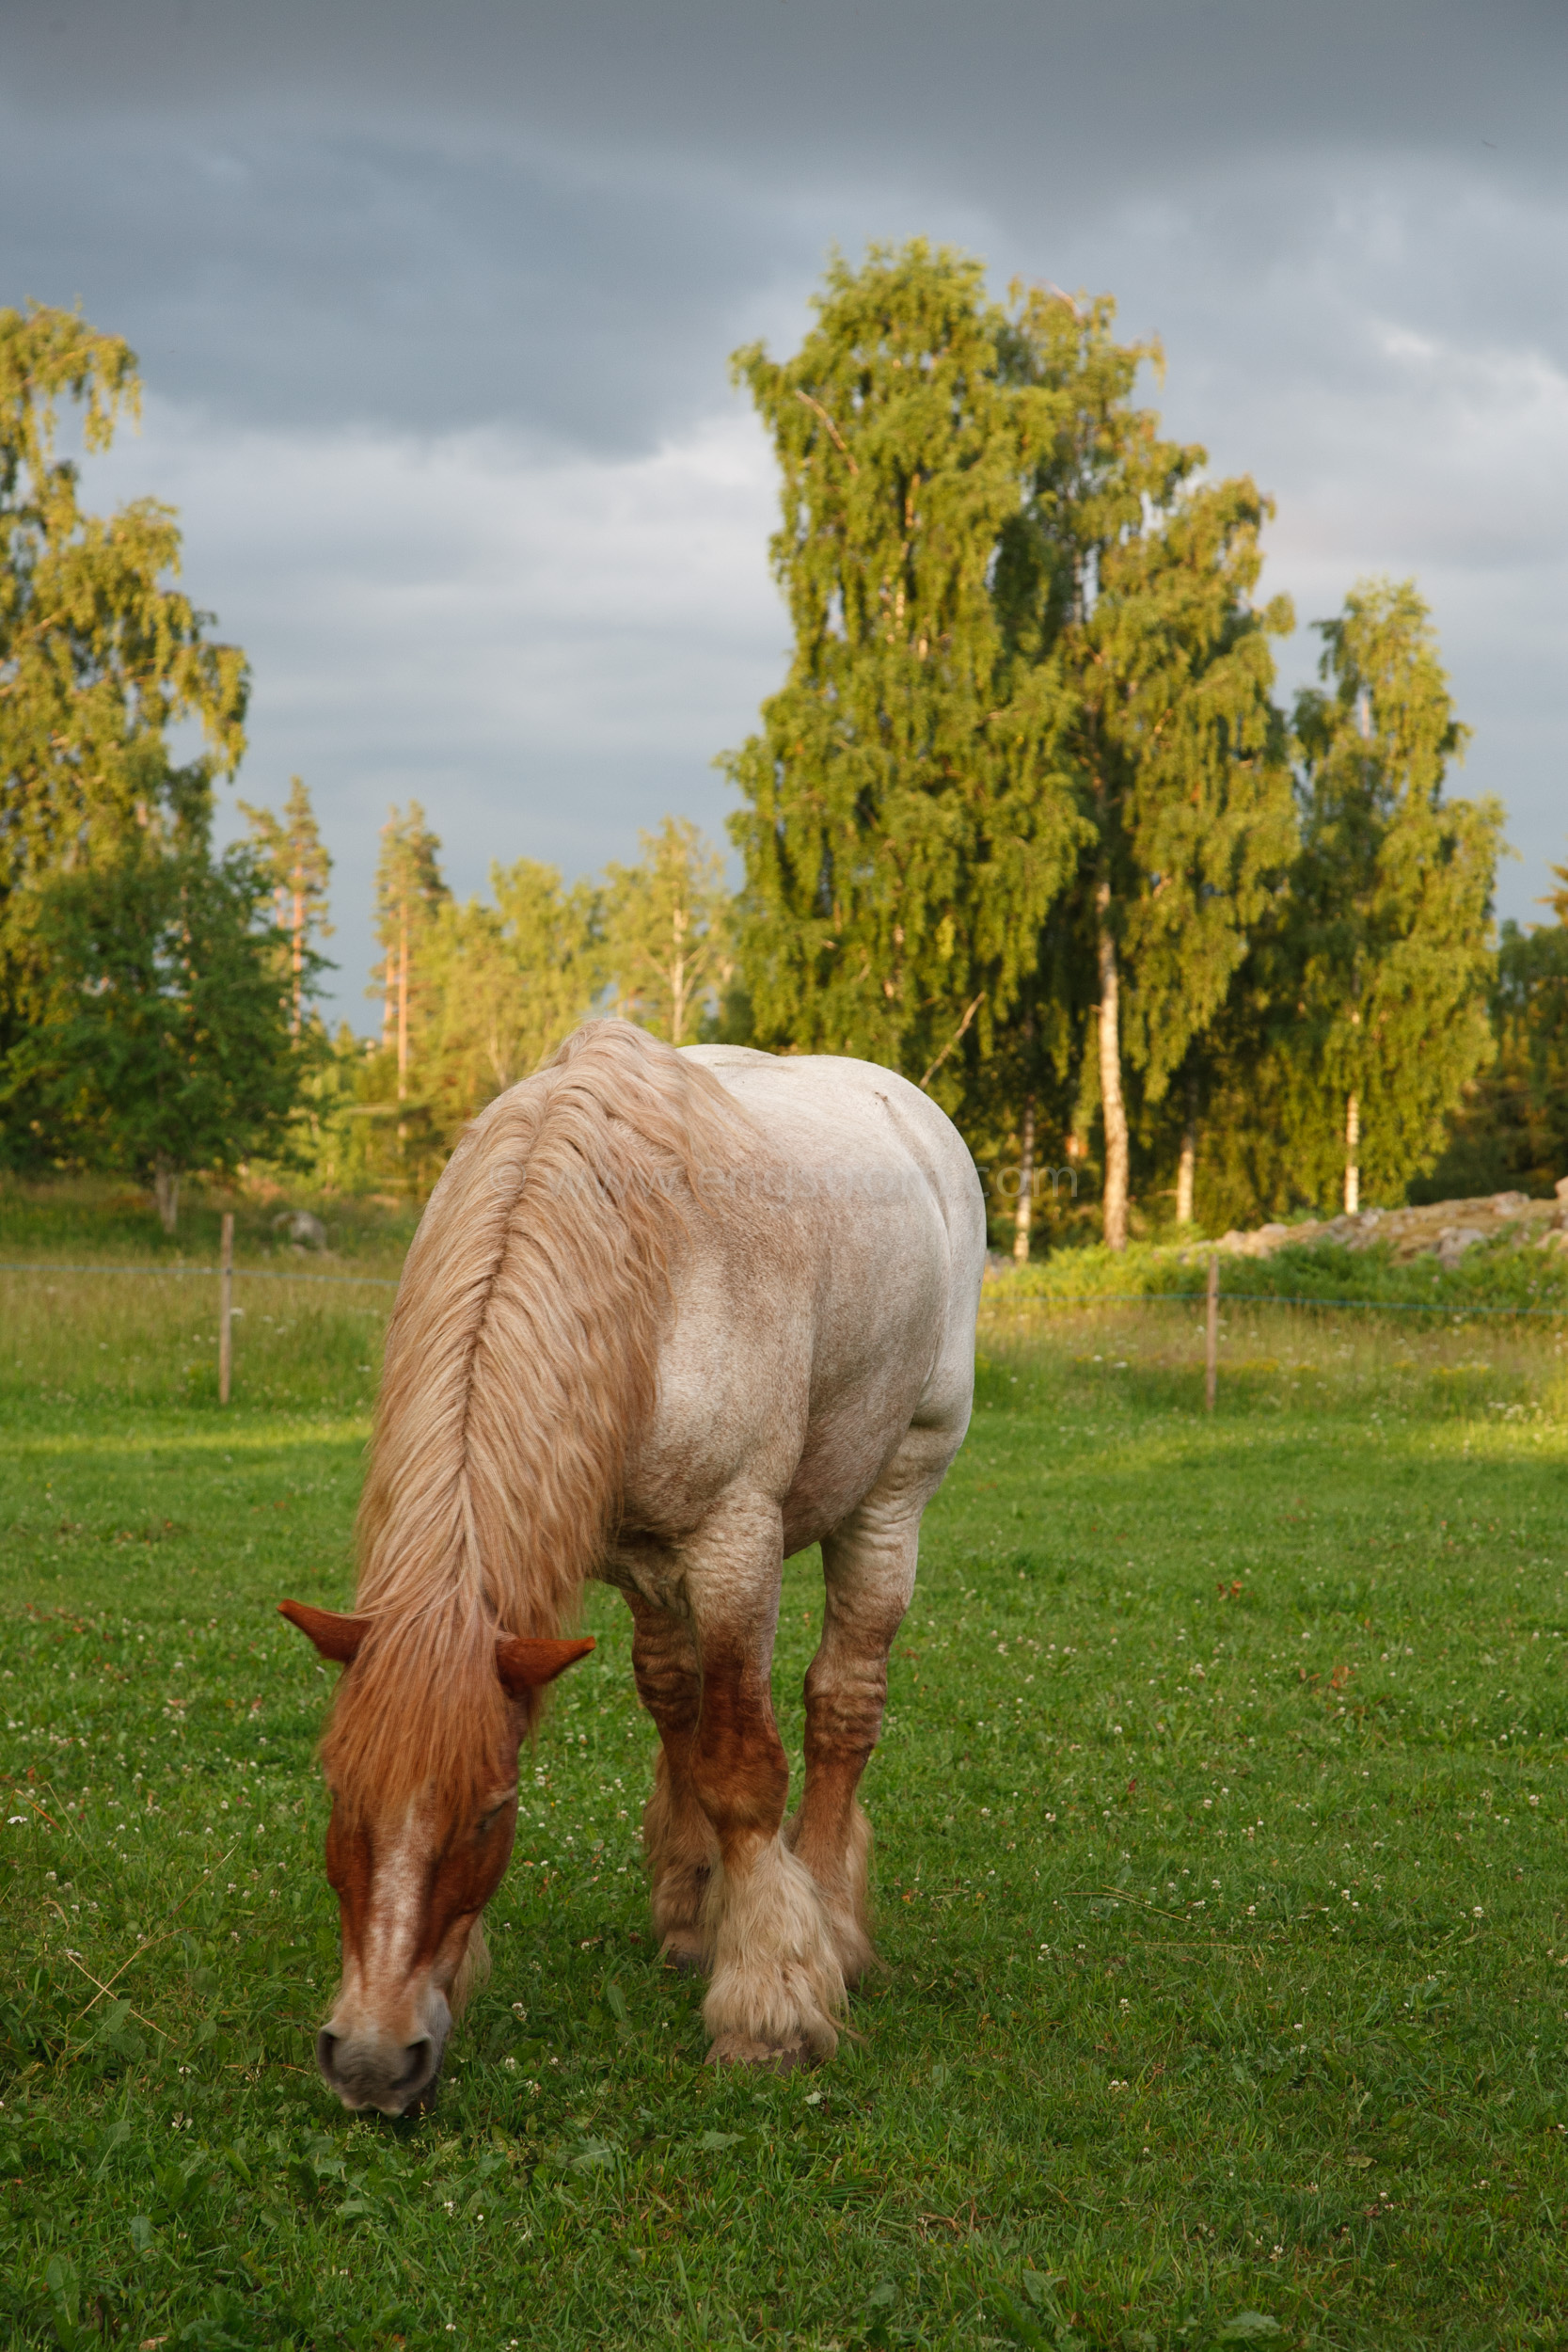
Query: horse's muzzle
x=369, y=2070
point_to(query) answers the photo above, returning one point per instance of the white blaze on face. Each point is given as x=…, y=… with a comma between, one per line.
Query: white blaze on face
x=399, y=1886
x=405, y=1971
x=384, y=2041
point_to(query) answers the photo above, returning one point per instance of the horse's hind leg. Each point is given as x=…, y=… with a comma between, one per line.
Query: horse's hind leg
x=869, y=1565
x=677, y=1841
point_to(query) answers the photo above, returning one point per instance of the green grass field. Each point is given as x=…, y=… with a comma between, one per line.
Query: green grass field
x=1220, y=1865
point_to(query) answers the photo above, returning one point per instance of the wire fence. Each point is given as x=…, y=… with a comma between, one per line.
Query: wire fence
x=226, y=1273
x=239, y=1273
x=1075, y=1298
x=1280, y=1299
x=1211, y=1298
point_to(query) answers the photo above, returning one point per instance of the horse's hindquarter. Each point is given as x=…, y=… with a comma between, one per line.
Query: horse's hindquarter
x=825, y=1310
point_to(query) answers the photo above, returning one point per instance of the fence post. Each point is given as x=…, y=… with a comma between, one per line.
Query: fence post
x=226, y=1307
x=1211, y=1336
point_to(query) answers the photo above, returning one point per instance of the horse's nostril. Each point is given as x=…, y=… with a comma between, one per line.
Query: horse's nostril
x=417, y=2055
x=326, y=2050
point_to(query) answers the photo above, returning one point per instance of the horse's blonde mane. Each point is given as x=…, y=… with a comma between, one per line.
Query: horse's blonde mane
x=520, y=1365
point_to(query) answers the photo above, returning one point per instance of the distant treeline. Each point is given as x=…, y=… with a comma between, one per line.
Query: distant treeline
x=1024, y=821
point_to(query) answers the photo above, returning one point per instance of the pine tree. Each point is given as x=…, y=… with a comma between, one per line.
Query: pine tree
x=667, y=931
x=1144, y=576
x=1390, y=904
x=293, y=853
x=506, y=983
x=409, y=889
x=906, y=822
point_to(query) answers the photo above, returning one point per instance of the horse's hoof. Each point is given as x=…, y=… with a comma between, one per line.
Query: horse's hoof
x=768, y=2058
x=683, y=1953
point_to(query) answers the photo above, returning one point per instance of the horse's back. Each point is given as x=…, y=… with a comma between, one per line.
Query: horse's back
x=846, y=1282
x=871, y=1167
x=852, y=1126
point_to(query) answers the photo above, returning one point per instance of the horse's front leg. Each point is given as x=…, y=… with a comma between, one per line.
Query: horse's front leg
x=678, y=1841
x=777, y=1988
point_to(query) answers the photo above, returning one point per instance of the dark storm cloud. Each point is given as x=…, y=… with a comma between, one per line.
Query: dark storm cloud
x=434, y=303
x=291, y=276
x=555, y=217
x=987, y=87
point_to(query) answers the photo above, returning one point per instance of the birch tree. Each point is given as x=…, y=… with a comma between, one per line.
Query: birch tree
x=1391, y=901
x=1148, y=575
x=907, y=820
x=100, y=655
x=668, y=931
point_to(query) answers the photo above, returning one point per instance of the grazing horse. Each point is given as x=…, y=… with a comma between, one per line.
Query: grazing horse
x=668, y=1318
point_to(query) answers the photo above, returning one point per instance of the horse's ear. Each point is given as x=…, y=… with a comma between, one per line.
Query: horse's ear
x=528, y=1665
x=336, y=1638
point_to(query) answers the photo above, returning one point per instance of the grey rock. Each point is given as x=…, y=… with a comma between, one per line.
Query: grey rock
x=306, y=1231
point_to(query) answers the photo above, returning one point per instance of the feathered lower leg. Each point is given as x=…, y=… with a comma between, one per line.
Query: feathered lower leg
x=678, y=1844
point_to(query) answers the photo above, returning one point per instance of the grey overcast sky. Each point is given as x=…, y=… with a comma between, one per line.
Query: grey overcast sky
x=434, y=303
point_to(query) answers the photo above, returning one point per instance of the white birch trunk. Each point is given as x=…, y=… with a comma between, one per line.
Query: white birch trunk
x=1185, y=1166
x=1113, y=1108
x=1026, y=1214
x=402, y=1008
x=165, y=1192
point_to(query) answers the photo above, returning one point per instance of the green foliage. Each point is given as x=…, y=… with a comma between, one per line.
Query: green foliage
x=161, y=1040
x=1026, y=749
x=1387, y=930
x=409, y=891
x=667, y=926
x=388, y=1096
x=1491, y=1277
x=1096, y=2091
x=907, y=820
x=296, y=862
x=507, y=983
x=1021, y=821
x=1509, y=1130
x=1147, y=576
x=1369, y=971
x=478, y=995
x=99, y=657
